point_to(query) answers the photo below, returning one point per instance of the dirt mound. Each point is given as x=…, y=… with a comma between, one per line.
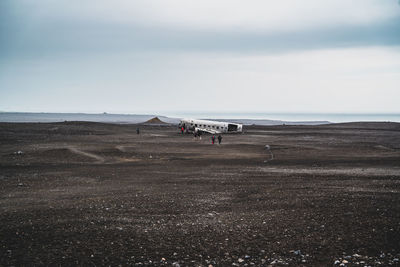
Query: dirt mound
x=155, y=120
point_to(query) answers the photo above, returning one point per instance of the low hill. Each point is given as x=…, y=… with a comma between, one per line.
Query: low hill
x=155, y=120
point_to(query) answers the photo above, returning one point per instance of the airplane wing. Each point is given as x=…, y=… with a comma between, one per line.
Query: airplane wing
x=197, y=129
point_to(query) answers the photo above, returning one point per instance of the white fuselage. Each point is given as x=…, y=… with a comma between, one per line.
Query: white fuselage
x=213, y=127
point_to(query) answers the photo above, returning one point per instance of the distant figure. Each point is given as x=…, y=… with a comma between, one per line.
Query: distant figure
x=195, y=135
x=137, y=130
x=182, y=129
x=219, y=139
x=199, y=134
x=213, y=139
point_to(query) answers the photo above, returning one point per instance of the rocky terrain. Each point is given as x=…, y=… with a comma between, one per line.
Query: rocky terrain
x=92, y=194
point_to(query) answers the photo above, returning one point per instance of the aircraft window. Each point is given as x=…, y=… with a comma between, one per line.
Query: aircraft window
x=195, y=125
x=192, y=124
x=217, y=127
x=208, y=126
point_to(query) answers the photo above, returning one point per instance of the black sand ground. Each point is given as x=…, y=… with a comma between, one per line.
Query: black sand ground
x=95, y=194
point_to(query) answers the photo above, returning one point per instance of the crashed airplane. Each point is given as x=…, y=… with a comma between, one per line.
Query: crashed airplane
x=212, y=127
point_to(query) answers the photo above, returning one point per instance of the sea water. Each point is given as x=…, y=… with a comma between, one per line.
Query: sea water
x=293, y=117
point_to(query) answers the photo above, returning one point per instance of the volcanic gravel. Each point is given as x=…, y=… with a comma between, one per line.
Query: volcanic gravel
x=92, y=194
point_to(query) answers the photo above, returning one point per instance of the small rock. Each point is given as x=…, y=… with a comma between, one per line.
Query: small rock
x=336, y=262
x=240, y=260
x=297, y=252
x=175, y=264
x=345, y=261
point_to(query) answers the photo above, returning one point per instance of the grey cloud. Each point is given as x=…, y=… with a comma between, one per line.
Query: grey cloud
x=77, y=39
x=31, y=37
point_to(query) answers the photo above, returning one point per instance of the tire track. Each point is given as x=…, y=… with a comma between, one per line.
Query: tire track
x=87, y=154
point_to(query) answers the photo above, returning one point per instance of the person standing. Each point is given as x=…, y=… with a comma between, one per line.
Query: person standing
x=213, y=139
x=219, y=139
x=137, y=130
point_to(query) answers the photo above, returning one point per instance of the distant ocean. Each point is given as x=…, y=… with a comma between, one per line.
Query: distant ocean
x=246, y=118
x=60, y=117
x=297, y=117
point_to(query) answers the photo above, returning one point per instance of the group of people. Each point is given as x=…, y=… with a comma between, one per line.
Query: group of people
x=219, y=139
x=197, y=134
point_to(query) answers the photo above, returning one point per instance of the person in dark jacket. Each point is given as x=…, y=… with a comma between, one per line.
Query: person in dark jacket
x=219, y=139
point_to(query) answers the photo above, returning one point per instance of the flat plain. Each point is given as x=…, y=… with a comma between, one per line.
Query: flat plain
x=92, y=194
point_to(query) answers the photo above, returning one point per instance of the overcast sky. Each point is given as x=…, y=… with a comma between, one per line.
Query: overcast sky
x=160, y=56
